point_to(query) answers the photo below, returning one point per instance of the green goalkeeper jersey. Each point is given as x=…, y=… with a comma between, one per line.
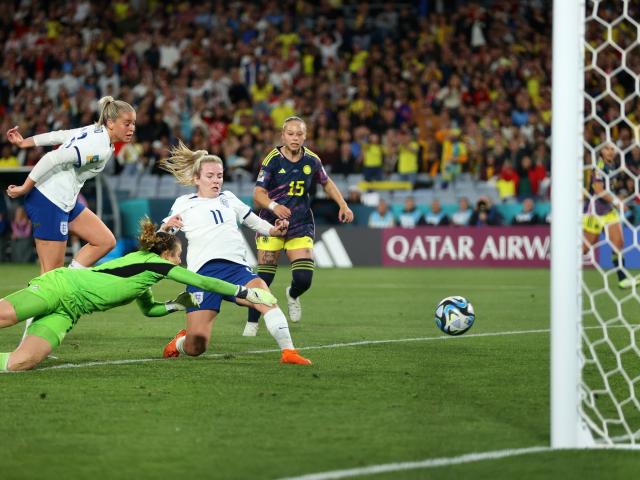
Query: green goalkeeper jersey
x=115, y=283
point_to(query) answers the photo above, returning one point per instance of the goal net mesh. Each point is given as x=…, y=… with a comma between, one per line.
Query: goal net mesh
x=610, y=353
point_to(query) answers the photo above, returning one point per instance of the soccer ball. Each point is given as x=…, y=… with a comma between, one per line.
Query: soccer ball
x=455, y=315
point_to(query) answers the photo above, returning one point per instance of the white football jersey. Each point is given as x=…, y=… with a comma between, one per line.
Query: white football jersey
x=211, y=228
x=83, y=154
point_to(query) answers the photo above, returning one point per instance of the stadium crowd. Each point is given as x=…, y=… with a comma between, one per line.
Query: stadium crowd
x=407, y=90
x=432, y=87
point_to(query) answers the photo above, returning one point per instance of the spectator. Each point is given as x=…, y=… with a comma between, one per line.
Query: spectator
x=410, y=216
x=381, y=217
x=507, y=182
x=21, y=241
x=485, y=213
x=539, y=179
x=436, y=217
x=354, y=195
x=372, y=158
x=454, y=154
x=462, y=216
x=408, y=150
x=527, y=216
x=346, y=162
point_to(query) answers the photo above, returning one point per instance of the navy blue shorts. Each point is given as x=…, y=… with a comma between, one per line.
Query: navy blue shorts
x=224, y=270
x=49, y=221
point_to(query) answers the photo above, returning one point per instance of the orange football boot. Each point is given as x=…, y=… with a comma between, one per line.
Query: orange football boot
x=294, y=358
x=170, y=349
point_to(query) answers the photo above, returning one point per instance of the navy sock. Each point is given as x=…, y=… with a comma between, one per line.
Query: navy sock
x=301, y=276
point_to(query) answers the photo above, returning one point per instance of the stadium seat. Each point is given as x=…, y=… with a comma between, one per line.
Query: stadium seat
x=509, y=211
x=148, y=186
x=489, y=190
x=127, y=185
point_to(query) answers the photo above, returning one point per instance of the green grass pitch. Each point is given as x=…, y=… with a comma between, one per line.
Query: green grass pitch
x=401, y=392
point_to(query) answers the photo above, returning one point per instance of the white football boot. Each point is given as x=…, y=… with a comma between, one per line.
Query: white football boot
x=295, y=309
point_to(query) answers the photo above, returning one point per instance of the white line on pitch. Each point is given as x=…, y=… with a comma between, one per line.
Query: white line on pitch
x=312, y=347
x=430, y=463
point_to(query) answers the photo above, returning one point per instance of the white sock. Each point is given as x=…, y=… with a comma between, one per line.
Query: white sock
x=278, y=327
x=75, y=264
x=180, y=345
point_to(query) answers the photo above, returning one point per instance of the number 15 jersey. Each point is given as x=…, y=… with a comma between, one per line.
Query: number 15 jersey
x=211, y=228
x=289, y=183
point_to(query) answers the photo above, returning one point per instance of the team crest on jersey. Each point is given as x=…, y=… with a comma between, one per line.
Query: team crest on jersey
x=261, y=176
x=306, y=169
x=93, y=158
x=224, y=202
x=64, y=228
x=199, y=296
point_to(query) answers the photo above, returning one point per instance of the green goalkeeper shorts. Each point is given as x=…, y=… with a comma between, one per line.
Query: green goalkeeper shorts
x=49, y=324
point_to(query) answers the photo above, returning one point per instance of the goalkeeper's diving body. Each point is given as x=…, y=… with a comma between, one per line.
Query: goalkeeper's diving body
x=58, y=298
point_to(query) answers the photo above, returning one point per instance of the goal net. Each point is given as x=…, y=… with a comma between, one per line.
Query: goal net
x=609, y=344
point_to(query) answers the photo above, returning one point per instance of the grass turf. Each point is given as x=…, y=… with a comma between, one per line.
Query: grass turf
x=237, y=414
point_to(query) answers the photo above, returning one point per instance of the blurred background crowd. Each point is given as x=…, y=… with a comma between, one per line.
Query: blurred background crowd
x=408, y=87
x=426, y=92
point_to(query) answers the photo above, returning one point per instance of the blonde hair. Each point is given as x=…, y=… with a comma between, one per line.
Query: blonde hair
x=111, y=109
x=185, y=164
x=154, y=241
x=294, y=118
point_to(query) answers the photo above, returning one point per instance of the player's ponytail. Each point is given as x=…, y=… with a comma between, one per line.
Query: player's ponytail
x=185, y=164
x=111, y=109
x=154, y=241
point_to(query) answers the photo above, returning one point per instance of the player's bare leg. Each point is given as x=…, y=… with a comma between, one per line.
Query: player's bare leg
x=100, y=241
x=616, y=239
x=194, y=340
x=28, y=354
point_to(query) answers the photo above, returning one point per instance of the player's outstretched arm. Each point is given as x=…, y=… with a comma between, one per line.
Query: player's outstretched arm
x=253, y=295
x=263, y=227
x=186, y=277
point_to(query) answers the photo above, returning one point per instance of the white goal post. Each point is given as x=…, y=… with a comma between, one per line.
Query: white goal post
x=595, y=313
x=566, y=213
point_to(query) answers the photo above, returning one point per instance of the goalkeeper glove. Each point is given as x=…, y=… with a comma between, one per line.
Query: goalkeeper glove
x=182, y=302
x=256, y=295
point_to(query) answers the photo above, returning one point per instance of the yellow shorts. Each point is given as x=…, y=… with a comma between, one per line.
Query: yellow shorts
x=595, y=223
x=275, y=244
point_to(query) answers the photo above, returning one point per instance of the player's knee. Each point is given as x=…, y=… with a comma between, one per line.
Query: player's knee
x=195, y=345
x=108, y=243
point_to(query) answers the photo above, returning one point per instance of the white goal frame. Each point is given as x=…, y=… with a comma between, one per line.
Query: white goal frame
x=571, y=425
x=566, y=223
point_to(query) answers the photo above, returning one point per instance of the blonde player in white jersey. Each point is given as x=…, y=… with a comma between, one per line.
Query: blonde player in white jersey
x=54, y=183
x=209, y=219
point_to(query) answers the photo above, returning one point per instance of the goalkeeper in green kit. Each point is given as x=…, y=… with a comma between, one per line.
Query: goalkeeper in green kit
x=58, y=298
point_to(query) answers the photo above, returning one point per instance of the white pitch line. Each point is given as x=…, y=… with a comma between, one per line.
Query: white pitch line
x=312, y=347
x=429, y=463
x=275, y=350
